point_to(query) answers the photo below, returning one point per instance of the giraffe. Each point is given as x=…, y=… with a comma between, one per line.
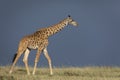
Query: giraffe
x=39, y=41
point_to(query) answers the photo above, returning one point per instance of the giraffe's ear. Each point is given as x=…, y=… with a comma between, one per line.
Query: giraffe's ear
x=69, y=16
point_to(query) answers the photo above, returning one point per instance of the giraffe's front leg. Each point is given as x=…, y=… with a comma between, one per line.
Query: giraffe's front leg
x=49, y=60
x=36, y=60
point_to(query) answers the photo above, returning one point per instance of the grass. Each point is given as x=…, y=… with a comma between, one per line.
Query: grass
x=70, y=73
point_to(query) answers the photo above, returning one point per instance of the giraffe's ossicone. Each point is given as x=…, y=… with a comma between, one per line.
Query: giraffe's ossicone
x=39, y=41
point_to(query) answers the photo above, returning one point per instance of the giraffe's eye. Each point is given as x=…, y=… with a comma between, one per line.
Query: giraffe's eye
x=71, y=20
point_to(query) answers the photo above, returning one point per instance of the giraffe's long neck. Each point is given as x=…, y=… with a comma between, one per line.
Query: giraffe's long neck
x=49, y=31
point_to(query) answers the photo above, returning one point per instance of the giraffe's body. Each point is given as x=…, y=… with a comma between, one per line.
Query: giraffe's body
x=39, y=41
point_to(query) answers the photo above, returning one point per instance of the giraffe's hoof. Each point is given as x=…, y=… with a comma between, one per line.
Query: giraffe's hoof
x=28, y=74
x=10, y=72
x=33, y=73
x=51, y=74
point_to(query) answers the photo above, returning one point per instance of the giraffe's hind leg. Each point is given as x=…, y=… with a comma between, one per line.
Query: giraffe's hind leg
x=25, y=60
x=15, y=61
x=22, y=47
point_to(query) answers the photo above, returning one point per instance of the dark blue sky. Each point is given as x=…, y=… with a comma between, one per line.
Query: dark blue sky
x=96, y=41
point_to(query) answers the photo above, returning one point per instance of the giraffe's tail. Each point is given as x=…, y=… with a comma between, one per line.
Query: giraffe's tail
x=14, y=57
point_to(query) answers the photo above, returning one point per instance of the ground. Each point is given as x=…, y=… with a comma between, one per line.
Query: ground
x=64, y=73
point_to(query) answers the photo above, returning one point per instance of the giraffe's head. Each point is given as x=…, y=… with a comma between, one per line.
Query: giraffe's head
x=71, y=21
